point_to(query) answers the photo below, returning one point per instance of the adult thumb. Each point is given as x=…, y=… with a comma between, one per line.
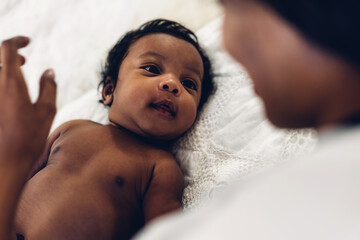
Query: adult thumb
x=47, y=93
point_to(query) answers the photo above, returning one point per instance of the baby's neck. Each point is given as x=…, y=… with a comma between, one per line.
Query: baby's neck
x=158, y=143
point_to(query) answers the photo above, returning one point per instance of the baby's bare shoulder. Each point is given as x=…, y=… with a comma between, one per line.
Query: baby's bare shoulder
x=165, y=192
x=70, y=126
x=74, y=124
x=166, y=165
x=163, y=159
x=78, y=123
x=167, y=170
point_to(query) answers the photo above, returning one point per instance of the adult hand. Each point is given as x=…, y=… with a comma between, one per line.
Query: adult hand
x=24, y=126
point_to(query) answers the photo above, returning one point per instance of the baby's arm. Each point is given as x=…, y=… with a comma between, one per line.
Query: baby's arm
x=24, y=127
x=165, y=191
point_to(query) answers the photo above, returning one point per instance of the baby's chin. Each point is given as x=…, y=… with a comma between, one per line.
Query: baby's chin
x=161, y=132
x=158, y=141
x=162, y=137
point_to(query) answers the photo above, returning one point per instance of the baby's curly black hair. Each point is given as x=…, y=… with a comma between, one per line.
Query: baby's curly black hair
x=118, y=53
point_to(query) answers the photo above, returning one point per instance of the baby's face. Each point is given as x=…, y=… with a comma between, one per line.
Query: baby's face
x=158, y=88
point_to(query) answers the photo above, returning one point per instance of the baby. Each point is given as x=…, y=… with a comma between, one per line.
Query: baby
x=98, y=181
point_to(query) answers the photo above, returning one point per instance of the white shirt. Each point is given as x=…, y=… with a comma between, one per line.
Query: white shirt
x=313, y=198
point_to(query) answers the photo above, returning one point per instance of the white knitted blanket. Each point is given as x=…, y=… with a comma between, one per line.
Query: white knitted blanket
x=232, y=138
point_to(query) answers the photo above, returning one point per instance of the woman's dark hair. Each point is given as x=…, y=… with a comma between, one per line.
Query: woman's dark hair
x=118, y=53
x=333, y=25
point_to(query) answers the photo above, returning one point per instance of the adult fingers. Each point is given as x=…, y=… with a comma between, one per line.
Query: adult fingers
x=10, y=59
x=21, y=57
x=17, y=42
x=47, y=94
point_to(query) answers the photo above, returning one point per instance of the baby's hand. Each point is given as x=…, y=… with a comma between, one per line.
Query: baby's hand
x=24, y=126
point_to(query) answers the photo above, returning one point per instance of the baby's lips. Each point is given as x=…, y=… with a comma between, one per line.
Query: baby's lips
x=167, y=106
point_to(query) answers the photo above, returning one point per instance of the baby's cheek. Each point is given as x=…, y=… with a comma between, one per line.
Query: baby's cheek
x=191, y=113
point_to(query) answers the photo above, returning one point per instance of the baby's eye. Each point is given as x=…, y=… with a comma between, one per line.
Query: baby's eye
x=189, y=84
x=151, y=69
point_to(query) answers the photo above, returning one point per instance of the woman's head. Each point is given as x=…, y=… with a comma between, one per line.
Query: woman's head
x=302, y=69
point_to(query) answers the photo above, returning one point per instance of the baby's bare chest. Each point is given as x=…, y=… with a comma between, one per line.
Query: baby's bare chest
x=113, y=165
x=88, y=179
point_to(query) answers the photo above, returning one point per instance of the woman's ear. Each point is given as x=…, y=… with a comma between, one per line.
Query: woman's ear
x=107, y=92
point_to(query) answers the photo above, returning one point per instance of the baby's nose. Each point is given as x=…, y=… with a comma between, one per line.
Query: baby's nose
x=171, y=86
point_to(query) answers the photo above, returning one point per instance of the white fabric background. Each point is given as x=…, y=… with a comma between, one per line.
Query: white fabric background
x=231, y=139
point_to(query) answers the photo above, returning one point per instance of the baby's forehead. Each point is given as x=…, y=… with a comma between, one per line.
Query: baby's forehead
x=163, y=42
x=166, y=47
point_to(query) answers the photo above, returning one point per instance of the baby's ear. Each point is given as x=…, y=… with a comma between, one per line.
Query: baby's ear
x=107, y=92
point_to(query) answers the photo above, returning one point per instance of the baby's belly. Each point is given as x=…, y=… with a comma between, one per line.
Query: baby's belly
x=54, y=206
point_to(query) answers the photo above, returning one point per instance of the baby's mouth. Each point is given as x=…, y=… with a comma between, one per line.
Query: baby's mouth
x=164, y=107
